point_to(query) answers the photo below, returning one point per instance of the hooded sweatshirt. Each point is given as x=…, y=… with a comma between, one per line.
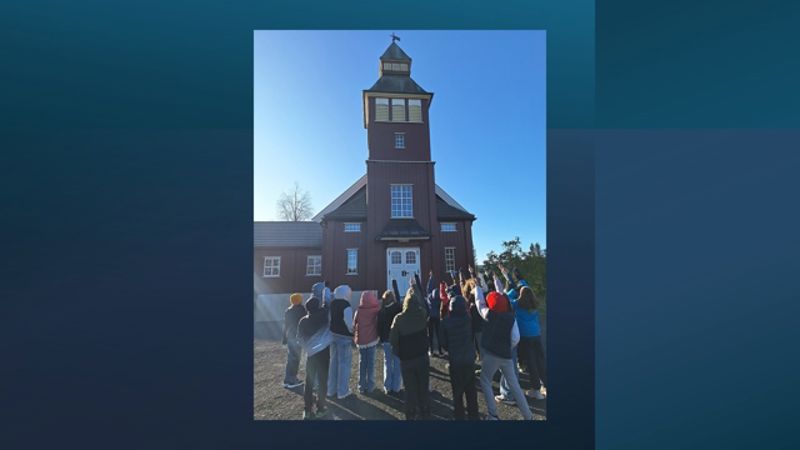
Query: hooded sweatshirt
x=365, y=322
x=317, y=290
x=409, y=332
x=313, y=331
x=341, y=312
x=291, y=318
x=389, y=309
x=457, y=335
x=500, y=331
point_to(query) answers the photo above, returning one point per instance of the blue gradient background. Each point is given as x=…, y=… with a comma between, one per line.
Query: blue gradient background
x=126, y=185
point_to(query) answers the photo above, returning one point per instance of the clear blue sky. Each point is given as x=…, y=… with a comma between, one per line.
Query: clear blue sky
x=487, y=120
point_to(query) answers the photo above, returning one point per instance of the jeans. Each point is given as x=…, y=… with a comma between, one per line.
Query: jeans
x=316, y=375
x=366, y=367
x=531, y=351
x=294, y=351
x=505, y=389
x=489, y=366
x=392, y=380
x=462, y=379
x=341, y=364
x=416, y=380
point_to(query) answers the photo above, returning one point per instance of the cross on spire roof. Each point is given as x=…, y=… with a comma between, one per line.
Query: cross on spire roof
x=395, y=38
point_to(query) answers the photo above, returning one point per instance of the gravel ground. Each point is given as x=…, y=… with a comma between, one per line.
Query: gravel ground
x=274, y=402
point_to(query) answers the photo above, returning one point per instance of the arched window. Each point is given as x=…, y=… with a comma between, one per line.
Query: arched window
x=411, y=257
x=397, y=258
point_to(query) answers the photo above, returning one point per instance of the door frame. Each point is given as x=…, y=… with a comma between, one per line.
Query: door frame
x=402, y=251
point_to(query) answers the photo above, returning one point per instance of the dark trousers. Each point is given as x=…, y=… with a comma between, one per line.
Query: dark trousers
x=531, y=351
x=317, y=375
x=433, y=330
x=293, y=352
x=462, y=378
x=415, y=374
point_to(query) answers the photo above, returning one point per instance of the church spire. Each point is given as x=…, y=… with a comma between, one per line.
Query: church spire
x=394, y=60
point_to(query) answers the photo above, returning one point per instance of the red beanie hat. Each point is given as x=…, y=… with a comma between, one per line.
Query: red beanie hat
x=497, y=302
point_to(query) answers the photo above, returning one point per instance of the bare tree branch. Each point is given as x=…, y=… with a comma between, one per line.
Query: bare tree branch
x=295, y=205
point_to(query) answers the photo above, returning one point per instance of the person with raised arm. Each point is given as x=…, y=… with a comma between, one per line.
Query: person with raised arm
x=500, y=335
x=459, y=342
x=531, y=350
x=409, y=339
x=433, y=303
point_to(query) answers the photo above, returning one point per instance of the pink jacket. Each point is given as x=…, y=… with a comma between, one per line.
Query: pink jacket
x=365, y=323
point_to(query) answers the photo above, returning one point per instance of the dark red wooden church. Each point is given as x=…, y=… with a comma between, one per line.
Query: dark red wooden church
x=392, y=222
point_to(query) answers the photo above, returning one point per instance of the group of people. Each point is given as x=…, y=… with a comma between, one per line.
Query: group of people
x=491, y=319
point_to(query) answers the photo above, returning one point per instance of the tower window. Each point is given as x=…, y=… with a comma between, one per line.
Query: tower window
x=402, y=201
x=382, y=109
x=398, y=110
x=399, y=140
x=448, y=227
x=415, y=110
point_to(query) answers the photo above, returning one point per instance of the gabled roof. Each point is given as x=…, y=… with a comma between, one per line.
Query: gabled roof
x=352, y=205
x=338, y=201
x=445, y=211
x=394, y=53
x=397, y=83
x=287, y=234
x=403, y=229
x=355, y=208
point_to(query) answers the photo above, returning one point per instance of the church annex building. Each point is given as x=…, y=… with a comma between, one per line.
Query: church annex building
x=391, y=223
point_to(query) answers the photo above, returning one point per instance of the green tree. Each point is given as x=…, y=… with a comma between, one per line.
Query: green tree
x=532, y=264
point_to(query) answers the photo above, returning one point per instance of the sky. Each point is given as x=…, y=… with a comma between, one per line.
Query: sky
x=487, y=120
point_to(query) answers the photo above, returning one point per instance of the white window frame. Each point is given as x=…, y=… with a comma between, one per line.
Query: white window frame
x=400, y=144
x=449, y=265
x=401, y=202
x=347, y=270
x=447, y=228
x=273, y=267
x=399, y=255
x=416, y=104
x=398, y=104
x=383, y=102
x=352, y=227
x=310, y=266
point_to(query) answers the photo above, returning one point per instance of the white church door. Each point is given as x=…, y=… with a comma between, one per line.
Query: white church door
x=402, y=263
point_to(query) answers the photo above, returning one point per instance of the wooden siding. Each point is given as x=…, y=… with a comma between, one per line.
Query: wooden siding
x=380, y=138
x=293, y=270
x=335, y=245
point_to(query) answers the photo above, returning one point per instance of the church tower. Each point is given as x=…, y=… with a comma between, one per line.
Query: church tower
x=401, y=198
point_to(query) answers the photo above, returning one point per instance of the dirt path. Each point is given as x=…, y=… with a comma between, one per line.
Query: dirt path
x=274, y=402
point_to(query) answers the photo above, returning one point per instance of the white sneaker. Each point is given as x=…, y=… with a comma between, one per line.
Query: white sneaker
x=536, y=394
x=507, y=401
